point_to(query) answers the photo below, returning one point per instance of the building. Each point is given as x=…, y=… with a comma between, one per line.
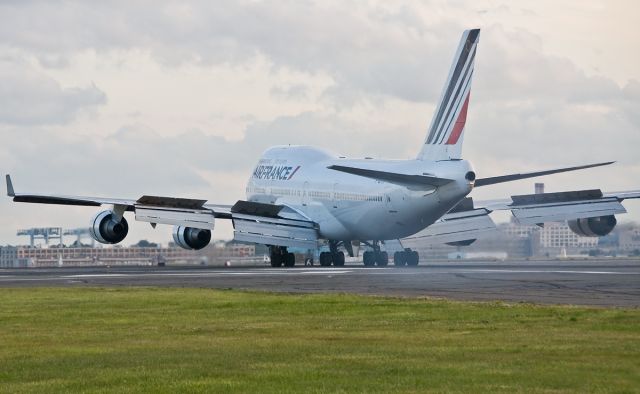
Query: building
x=559, y=235
x=629, y=239
x=27, y=256
x=8, y=256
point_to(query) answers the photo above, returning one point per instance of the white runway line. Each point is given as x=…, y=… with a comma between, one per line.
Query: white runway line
x=178, y=274
x=489, y=271
x=305, y=272
x=394, y=271
x=207, y=274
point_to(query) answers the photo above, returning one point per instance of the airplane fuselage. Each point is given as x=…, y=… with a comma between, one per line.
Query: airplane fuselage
x=351, y=207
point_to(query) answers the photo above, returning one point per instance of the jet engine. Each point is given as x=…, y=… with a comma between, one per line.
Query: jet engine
x=191, y=238
x=593, y=227
x=106, y=229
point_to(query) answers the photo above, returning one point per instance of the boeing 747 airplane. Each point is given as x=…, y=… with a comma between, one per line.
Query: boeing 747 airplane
x=301, y=196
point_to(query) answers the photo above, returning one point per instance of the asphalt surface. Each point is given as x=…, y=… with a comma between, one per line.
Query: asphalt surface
x=592, y=282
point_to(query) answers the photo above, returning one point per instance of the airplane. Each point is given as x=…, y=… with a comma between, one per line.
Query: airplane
x=301, y=196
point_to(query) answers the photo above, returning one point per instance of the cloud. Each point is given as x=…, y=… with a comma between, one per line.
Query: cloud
x=31, y=98
x=360, y=47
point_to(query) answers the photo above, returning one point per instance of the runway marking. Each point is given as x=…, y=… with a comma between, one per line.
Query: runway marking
x=304, y=272
x=395, y=271
x=177, y=274
x=204, y=274
x=555, y=272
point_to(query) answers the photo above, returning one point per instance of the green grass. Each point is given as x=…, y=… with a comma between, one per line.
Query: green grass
x=199, y=340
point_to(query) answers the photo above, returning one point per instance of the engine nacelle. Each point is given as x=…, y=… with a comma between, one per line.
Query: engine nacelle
x=191, y=238
x=106, y=229
x=593, y=227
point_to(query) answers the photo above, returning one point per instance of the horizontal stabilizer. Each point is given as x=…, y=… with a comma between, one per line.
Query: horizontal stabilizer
x=514, y=177
x=408, y=180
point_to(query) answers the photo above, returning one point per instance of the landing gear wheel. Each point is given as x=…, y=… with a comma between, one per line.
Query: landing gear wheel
x=412, y=258
x=338, y=259
x=325, y=259
x=368, y=259
x=382, y=259
x=400, y=259
x=289, y=260
x=276, y=260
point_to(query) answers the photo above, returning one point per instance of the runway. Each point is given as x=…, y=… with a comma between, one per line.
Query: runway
x=586, y=282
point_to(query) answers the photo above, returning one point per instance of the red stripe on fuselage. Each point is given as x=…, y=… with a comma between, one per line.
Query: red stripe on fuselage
x=459, y=126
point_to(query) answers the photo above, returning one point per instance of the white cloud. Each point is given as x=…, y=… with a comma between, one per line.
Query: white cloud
x=31, y=98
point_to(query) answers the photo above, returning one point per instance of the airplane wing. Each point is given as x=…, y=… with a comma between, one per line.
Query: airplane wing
x=470, y=220
x=268, y=224
x=554, y=207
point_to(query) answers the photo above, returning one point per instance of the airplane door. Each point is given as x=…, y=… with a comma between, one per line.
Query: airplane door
x=390, y=203
x=335, y=201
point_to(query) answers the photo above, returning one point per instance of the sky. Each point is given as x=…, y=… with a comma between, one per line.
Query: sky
x=175, y=98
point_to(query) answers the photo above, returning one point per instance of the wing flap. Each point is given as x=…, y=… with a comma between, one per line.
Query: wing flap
x=201, y=218
x=458, y=226
x=534, y=214
x=275, y=231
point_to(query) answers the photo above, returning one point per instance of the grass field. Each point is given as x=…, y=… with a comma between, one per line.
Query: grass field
x=177, y=340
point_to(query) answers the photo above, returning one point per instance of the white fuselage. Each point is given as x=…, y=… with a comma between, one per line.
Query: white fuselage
x=352, y=207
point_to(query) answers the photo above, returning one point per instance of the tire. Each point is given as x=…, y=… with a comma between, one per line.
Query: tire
x=382, y=259
x=289, y=260
x=412, y=258
x=276, y=260
x=400, y=259
x=367, y=259
x=338, y=259
x=325, y=259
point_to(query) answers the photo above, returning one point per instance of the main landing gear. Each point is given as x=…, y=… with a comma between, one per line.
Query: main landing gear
x=375, y=257
x=334, y=257
x=280, y=256
x=407, y=257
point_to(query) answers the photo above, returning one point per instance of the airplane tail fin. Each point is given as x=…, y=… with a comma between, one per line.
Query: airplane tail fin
x=444, y=140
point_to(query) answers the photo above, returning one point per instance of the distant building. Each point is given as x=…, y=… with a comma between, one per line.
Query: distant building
x=26, y=256
x=8, y=256
x=629, y=239
x=559, y=235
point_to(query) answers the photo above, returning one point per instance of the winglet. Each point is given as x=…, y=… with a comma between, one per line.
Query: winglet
x=10, y=191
